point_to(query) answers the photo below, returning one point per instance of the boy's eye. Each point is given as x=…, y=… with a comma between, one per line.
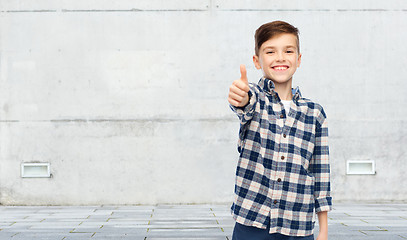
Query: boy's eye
x=290, y=51
x=270, y=52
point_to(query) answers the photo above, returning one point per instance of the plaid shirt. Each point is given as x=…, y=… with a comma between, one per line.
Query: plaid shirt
x=282, y=177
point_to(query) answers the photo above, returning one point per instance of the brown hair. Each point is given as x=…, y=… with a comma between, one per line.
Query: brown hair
x=272, y=29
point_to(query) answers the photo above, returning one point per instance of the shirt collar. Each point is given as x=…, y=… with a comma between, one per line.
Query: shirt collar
x=269, y=87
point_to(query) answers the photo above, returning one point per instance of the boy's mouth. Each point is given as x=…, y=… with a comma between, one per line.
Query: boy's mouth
x=280, y=67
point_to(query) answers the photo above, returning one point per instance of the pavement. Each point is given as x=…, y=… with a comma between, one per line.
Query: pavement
x=204, y=222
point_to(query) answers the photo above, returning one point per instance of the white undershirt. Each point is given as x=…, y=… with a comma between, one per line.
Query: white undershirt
x=286, y=104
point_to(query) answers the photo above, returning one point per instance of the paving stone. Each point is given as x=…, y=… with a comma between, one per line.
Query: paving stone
x=135, y=236
x=6, y=235
x=42, y=236
x=228, y=230
x=390, y=223
x=183, y=224
x=386, y=237
x=186, y=233
x=346, y=221
x=167, y=238
x=398, y=230
x=365, y=228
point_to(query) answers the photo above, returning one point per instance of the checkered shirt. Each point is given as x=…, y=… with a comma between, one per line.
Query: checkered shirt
x=282, y=177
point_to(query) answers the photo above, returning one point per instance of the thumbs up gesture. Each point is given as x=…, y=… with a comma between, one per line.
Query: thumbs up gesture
x=238, y=91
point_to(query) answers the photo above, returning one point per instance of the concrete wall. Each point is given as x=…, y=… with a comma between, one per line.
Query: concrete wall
x=127, y=99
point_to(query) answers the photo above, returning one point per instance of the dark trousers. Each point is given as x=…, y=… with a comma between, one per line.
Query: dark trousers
x=242, y=232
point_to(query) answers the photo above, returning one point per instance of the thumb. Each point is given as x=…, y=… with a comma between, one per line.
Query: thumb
x=243, y=73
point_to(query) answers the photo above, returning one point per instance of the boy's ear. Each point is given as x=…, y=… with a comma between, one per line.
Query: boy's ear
x=256, y=61
x=299, y=60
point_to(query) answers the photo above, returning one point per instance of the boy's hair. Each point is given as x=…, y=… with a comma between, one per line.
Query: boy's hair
x=272, y=29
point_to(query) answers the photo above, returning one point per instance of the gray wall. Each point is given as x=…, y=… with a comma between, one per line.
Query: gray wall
x=127, y=101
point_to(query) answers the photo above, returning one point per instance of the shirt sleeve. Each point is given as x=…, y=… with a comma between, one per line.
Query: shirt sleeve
x=320, y=168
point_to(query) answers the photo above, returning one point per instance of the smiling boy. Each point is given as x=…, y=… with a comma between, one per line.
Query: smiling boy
x=283, y=172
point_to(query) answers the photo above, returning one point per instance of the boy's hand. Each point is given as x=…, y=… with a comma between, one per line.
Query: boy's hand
x=322, y=236
x=238, y=91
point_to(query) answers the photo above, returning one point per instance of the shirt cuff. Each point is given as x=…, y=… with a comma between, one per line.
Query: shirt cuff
x=323, y=204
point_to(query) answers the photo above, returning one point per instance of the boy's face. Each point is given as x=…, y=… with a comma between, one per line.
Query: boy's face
x=279, y=58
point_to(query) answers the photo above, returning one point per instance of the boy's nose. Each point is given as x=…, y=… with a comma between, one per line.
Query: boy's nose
x=280, y=56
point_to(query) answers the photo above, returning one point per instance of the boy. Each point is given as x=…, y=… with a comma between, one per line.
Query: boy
x=282, y=177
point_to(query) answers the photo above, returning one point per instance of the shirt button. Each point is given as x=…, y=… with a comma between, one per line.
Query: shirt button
x=282, y=157
x=279, y=180
x=275, y=201
x=284, y=135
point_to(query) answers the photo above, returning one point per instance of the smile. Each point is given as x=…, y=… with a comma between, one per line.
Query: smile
x=280, y=68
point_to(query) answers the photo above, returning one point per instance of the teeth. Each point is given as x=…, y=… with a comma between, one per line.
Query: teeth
x=280, y=68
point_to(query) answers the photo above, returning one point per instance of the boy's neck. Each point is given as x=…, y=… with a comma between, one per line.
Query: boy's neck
x=284, y=90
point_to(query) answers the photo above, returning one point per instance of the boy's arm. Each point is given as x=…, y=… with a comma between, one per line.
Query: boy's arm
x=320, y=169
x=323, y=225
x=245, y=113
x=319, y=166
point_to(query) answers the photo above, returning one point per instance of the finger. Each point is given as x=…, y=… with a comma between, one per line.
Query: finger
x=242, y=85
x=233, y=102
x=237, y=90
x=236, y=97
x=243, y=73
